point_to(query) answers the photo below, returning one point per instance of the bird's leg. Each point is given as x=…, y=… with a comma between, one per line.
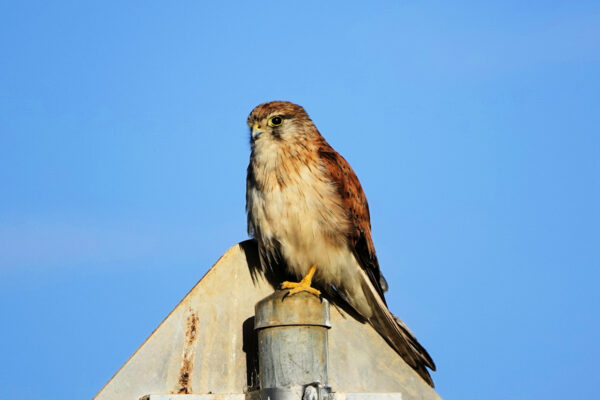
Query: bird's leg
x=303, y=285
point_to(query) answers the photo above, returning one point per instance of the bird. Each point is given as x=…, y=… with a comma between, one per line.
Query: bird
x=309, y=215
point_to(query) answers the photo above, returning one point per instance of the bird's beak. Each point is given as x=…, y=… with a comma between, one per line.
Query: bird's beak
x=256, y=132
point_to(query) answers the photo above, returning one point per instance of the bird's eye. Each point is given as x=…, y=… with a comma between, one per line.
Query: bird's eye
x=275, y=121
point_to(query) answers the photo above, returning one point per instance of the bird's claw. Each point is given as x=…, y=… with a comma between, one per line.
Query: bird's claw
x=297, y=287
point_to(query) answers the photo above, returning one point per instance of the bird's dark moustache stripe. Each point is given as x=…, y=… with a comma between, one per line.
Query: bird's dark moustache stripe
x=276, y=133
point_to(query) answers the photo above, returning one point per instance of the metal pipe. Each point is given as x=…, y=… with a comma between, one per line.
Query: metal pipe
x=292, y=346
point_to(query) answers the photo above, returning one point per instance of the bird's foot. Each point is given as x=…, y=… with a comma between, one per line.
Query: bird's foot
x=303, y=285
x=297, y=287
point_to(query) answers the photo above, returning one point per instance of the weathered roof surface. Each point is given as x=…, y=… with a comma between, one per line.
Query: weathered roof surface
x=206, y=344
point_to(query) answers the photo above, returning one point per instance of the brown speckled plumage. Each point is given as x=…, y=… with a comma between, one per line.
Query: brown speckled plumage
x=306, y=207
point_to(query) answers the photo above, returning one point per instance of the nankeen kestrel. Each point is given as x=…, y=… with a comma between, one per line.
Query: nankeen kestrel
x=309, y=214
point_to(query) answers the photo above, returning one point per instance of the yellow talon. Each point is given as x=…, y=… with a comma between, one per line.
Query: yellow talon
x=303, y=285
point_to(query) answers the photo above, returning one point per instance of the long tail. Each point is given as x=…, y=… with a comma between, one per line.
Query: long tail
x=397, y=334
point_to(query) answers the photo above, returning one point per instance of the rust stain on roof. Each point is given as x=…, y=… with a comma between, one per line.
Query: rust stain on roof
x=187, y=364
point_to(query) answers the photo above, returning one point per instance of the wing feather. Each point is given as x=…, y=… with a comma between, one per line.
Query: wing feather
x=355, y=203
x=374, y=285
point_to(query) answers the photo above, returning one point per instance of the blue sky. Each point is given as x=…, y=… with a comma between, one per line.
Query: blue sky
x=472, y=126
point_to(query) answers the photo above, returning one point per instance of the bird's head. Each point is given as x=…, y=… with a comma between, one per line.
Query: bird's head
x=279, y=121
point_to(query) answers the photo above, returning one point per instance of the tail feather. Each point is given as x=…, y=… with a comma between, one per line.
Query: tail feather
x=397, y=334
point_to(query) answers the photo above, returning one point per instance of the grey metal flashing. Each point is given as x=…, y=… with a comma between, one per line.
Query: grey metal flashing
x=239, y=396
